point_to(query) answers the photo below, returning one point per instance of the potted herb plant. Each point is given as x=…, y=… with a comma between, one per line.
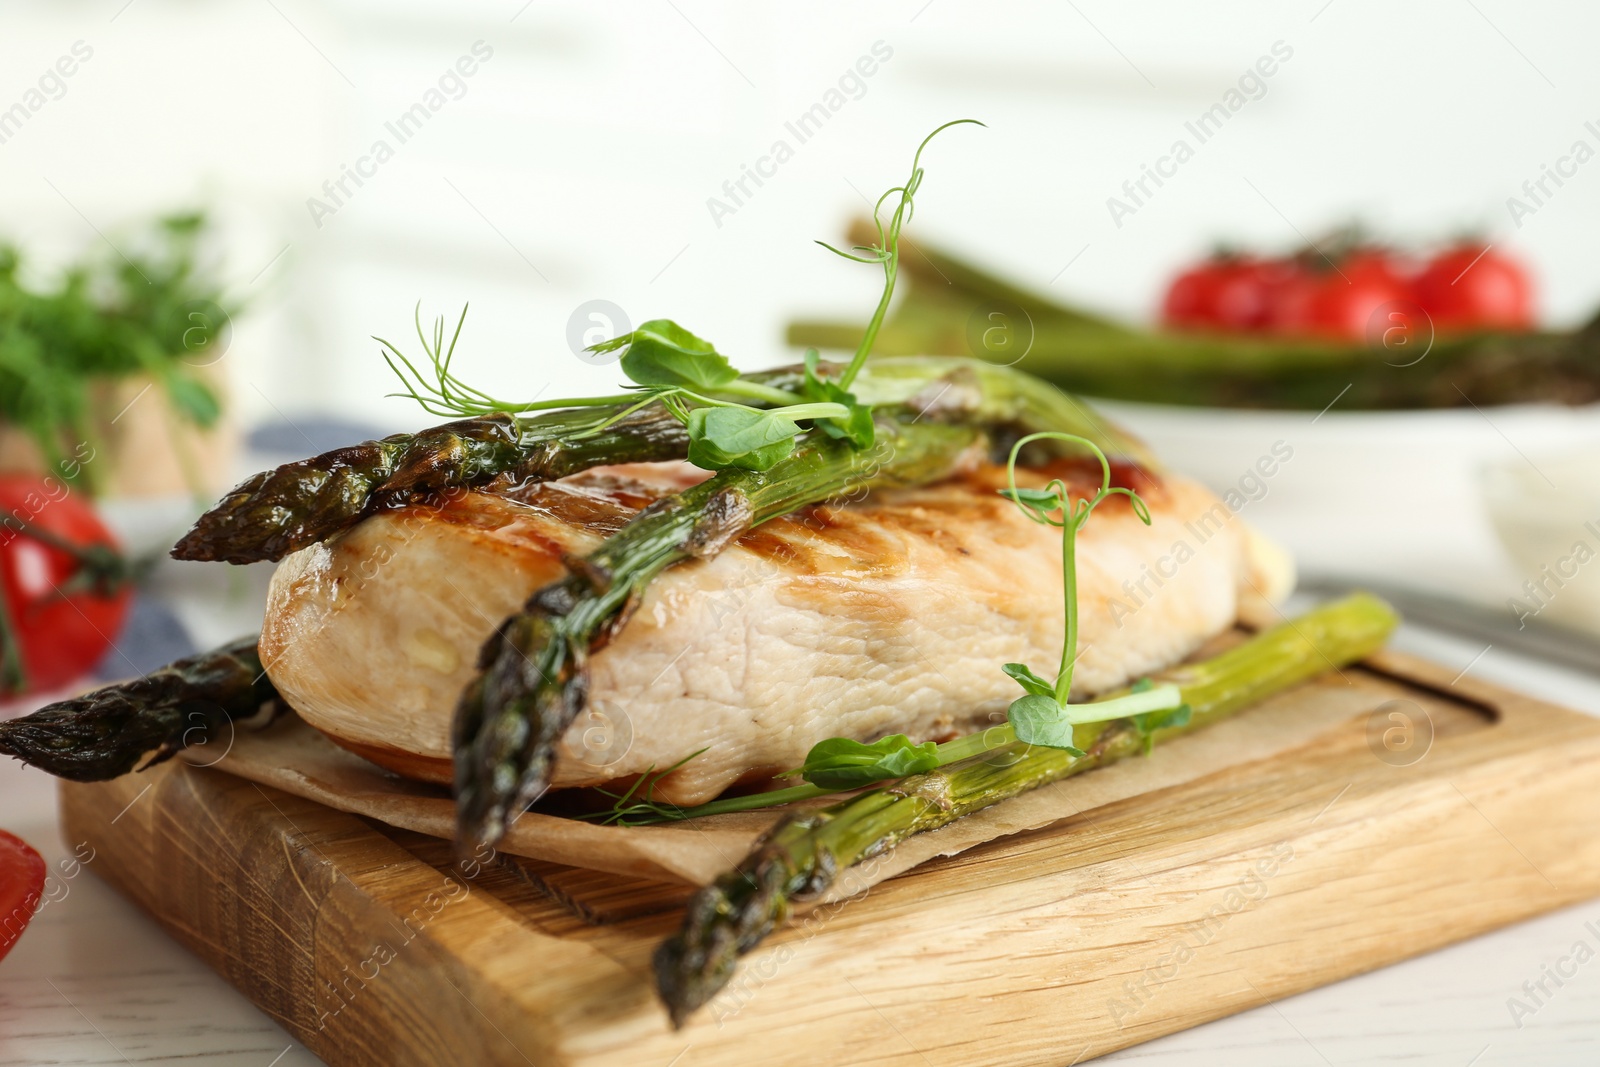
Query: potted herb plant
x=108, y=377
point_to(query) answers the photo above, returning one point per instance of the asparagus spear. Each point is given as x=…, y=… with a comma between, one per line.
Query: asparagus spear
x=801, y=857
x=111, y=731
x=1007, y=402
x=1267, y=372
x=279, y=511
x=1102, y=358
x=936, y=271
x=532, y=684
x=276, y=512
x=934, y=410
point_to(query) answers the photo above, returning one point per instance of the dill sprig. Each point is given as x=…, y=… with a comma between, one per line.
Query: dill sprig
x=443, y=394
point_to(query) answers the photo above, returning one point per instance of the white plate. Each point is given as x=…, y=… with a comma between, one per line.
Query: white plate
x=1395, y=495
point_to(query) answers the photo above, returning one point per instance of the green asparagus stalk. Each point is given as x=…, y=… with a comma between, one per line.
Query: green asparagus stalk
x=276, y=512
x=111, y=731
x=949, y=303
x=932, y=269
x=1008, y=403
x=800, y=858
x=1256, y=372
x=532, y=682
x=279, y=511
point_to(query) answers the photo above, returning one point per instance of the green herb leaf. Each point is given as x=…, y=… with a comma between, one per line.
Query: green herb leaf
x=857, y=427
x=840, y=763
x=1151, y=721
x=661, y=352
x=1032, y=683
x=1039, y=502
x=752, y=440
x=1039, y=720
x=193, y=400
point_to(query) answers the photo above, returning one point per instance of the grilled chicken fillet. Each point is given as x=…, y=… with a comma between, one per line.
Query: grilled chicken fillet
x=885, y=615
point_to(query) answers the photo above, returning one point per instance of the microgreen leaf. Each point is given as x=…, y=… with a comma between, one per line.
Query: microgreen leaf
x=1038, y=503
x=1032, y=683
x=857, y=427
x=1039, y=720
x=841, y=763
x=1151, y=721
x=747, y=438
x=660, y=352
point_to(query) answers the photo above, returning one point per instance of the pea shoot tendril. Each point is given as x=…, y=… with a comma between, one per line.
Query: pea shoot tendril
x=732, y=421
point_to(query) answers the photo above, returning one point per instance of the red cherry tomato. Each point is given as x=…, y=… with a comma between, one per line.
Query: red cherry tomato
x=1236, y=294
x=1191, y=299
x=21, y=887
x=1375, y=262
x=1229, y=293
x=1247, y=290
x=1338, y=305
x=1469, y=287
x=65, y=590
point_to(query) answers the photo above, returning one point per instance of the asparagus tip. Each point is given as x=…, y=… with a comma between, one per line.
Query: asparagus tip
x=507, y=723
x=196, y=546
x=87, y=739
x=731, y=916
x=694, y=964
x=480, y=822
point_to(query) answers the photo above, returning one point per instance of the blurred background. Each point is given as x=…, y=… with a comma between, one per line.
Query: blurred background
x=355, y=159
x=571, y=169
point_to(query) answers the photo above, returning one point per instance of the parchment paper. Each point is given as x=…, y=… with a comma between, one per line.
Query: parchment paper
x=293, y=757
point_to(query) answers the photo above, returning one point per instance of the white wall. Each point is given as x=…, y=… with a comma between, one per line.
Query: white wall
x=580, y=159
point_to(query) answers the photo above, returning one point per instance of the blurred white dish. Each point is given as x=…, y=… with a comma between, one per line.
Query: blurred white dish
x=1548, y=518
x=1393, y=495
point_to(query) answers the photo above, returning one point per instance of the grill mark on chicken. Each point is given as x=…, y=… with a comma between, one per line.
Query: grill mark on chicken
x=886, y=615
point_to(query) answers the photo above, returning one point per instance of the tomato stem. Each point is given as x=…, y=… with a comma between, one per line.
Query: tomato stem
x=102, y=571
x=106, y=568
x=13, y=673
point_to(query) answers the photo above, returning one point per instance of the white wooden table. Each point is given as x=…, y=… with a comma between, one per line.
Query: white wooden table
x=95, y=982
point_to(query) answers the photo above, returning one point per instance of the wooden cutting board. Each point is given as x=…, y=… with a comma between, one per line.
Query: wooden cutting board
x=1449, y=809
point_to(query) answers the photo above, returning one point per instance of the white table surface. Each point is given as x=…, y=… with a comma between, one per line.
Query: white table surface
x=93, y=981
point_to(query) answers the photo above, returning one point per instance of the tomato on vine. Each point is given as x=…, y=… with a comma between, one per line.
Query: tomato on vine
x=64, y=586
x=1338, y=303
x=1473, y=287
